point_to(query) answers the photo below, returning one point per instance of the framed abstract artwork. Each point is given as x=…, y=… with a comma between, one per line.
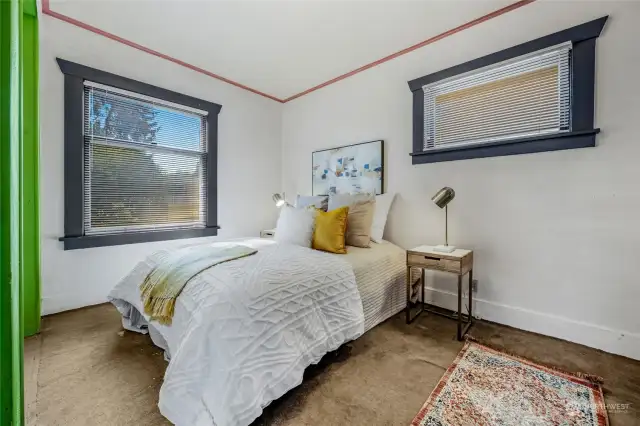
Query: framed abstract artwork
x=349, y=169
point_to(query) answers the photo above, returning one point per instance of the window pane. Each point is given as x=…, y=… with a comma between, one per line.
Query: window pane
x=115, y=116
x=132, y=189
x=528, y=102
x=525, y=97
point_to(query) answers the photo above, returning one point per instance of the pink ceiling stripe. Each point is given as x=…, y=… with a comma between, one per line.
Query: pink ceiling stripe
x=47, y=11
x=416, y=46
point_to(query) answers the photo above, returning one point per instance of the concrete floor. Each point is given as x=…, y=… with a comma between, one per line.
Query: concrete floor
x=84, y=370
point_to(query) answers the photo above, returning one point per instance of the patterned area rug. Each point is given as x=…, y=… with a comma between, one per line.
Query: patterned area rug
x=484, y=386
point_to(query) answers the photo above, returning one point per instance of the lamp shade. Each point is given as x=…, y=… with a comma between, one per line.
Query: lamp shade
x=443, y=197
x=278, y=199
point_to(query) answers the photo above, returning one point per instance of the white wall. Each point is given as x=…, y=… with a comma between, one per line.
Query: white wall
x=556, y=235
x=249, y=161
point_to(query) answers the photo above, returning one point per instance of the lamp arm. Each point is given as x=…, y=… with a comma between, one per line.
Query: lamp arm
x=446, y=225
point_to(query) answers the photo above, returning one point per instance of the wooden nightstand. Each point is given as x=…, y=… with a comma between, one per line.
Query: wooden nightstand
x=459, y=262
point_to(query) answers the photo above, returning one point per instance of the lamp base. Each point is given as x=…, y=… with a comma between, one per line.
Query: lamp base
x=444, y=249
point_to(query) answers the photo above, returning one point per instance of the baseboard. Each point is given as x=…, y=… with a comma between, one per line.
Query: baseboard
x=618, y=342
x=50, y=306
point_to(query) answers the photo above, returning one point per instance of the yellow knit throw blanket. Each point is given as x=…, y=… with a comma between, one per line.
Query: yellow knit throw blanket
x=165, y=282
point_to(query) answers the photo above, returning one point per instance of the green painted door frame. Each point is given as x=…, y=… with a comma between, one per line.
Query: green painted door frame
x=19, y=230
x=29, y=171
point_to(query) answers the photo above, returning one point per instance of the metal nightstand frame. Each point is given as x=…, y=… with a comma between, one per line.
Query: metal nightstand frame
x=464, y=320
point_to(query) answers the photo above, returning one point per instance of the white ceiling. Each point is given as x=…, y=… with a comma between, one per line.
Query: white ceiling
x=278, y=47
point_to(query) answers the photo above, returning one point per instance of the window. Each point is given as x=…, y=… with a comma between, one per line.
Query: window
x=534, y=97
x=145, y=163
x=145, y=157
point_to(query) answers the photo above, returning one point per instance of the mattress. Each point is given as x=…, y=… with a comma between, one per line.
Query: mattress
x=380, y=272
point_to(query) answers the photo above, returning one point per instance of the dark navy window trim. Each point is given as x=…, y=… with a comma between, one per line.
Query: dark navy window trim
x=582, y=134
x=74, y=236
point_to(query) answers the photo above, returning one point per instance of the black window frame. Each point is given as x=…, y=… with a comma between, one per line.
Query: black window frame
x=582, y=133
x=74, y=233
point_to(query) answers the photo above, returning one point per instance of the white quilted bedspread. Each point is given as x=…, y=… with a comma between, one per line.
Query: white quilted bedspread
x=244, y=331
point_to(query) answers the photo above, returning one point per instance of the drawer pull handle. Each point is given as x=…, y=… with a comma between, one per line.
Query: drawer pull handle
x=432, y=258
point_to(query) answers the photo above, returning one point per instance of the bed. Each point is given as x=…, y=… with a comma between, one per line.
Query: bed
x=349, y=295
x=380, y=273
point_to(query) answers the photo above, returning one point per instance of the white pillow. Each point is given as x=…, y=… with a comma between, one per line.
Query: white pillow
x=295, y=226
x=383, y=204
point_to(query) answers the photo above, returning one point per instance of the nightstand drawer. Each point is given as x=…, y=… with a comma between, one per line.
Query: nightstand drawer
x=268, y=233
x=432, y=262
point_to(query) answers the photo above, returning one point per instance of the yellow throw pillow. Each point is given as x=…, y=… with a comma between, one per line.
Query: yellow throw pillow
x=331, y=228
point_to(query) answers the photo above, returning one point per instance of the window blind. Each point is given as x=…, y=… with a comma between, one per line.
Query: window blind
x=526, y=96
x=144, y=163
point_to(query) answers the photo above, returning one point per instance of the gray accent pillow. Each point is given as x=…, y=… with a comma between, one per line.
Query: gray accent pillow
x=317, y=201
x=359, y=223
x=340, y=200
